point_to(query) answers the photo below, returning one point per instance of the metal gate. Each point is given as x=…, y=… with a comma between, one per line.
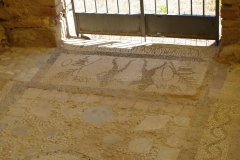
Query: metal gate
x=154, y=24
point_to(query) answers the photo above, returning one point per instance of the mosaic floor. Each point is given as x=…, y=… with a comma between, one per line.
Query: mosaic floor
x=98, y=102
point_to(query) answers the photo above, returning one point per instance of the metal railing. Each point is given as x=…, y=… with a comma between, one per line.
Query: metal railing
x=93, y=4
x=148, y=21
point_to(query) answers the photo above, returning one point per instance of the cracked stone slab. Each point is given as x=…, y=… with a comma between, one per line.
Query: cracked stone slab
x=133, y=74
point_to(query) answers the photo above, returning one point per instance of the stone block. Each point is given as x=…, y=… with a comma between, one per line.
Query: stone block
x=47, y=10
x=3, y=38
x=32, y=37
x=230, y=2
x=230, y=53
x=28, y=21
x=49, y=2
x=230, y=12
x=229, y=23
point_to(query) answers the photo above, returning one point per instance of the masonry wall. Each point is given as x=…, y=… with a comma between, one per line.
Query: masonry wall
x=230, y=44
x=30, y=23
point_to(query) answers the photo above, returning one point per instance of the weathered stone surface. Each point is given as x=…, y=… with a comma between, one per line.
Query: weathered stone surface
x=78, y=97
x=91, y=99
x=16, y=112
x=8, y=120
x=173, y=109
x=2, y=126
x=78, y=133
x=50, y=132
x=230, y=12
x=63, y=96
x=167, y=153
x=31, y=152
x=153, y=122
x=140, y=145
x=24, y=103
x=110, y=139
x=230, y=53
x=181, y=121
x=48, y=94
x=26, y=22
x=97, y=115
x=41, y=109
x=31, y=93
x=3, y=38
x=34, y=37
x=20, y=131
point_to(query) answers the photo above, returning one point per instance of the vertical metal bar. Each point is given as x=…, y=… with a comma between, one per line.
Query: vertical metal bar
x=84, y=6
x=107, y=6
x=217, y=22
x=178, y=7
x=191, y=8
x=155, y=6
x=96, y=5
x=129, y=7
x=143, y=27
x=167, y=5
x=203, y=7
x=118, y=6
x=74, y=17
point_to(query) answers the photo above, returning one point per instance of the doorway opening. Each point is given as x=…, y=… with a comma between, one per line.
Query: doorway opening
x=177, y=22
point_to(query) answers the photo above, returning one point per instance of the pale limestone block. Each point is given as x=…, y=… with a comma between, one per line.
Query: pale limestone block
x=41, y=109
x=53, y=148
x=182, y=121
x=20, y=131
x=50, y=132
x=178, y=131
x=78, y=133
x=23, y=103
x=173, y=109
x=31, y=93
x=125, y=103
x=71, y=112
x=188, y=111
x=112, y=138
x=63, y=96
x=153, y=122
x=78, y=98
x=48, y=94
x=91, y=99
x=166, y=153
x=140, y=145
x=2, y=126
x=30, y=152
x=16, y=112
x=97, y=115
x=174, y=142
x=8, y=120
x=109, y=101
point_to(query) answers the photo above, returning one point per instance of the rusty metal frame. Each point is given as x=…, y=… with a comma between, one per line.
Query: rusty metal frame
x=155, y=25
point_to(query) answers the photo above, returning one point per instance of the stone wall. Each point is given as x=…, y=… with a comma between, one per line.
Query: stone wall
x=3, y=39
x=230, y=44
x=28, y=23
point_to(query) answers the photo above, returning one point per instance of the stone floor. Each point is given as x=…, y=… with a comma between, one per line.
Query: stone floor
x=96, y=100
